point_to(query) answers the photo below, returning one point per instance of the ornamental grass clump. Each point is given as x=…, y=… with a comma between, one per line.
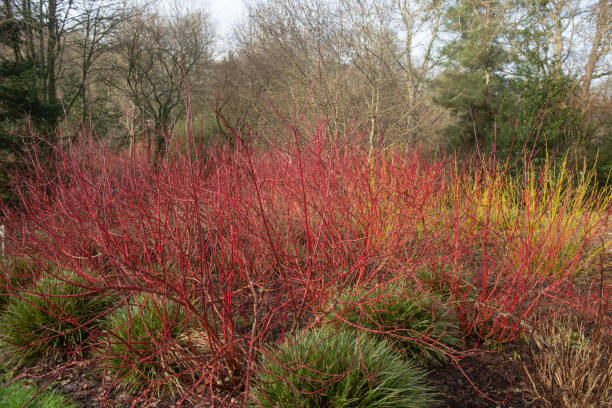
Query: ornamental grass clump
x=328, y=368
x=54, y=319
x=566, y=365
x=416, y=323
x=143, y=350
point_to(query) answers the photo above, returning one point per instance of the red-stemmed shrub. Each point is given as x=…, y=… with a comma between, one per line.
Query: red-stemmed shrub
x=254, y=243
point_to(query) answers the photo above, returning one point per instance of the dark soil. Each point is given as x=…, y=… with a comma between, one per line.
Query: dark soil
x=84, y=385
x=496, y=374
x=495, y=381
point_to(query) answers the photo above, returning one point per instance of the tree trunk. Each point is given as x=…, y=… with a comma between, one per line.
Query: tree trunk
x=14, y=34
x=51, y=52
x=161, y=136
x=603, y=19
x=84, y=95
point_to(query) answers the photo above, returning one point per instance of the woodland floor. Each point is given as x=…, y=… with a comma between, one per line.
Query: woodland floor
x=496, y=374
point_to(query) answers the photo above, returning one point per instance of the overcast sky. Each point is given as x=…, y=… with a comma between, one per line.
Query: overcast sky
x=225, y=13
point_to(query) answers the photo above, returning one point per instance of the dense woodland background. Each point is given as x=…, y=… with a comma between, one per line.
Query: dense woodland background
x=453, y=75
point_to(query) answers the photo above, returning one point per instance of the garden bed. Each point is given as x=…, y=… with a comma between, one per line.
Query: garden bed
x=232, y=278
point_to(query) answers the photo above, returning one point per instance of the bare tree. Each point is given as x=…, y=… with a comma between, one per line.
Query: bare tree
x=371, y=45
x=282, y=47
x=64, y=39
x=392, y=46
x=42, y=28
x=601, y=15
x=421, y=28
x=95, y=26
x=362, y=53
x=156, y=57
x=574, y=35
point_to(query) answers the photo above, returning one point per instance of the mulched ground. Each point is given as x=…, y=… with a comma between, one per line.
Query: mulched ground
x=496, y=374
x=83, y=385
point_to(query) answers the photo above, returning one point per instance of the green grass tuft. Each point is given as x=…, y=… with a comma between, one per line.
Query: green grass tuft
x=18, y=394
x=144, y=348
x=54, y=317
x=419, y=326
x=327, y=368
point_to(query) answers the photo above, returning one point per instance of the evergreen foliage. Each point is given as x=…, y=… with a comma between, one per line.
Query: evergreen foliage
x=327, y=368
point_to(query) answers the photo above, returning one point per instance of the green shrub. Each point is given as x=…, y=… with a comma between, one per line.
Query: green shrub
x=17, y=395
x=56, y=316
x=144, y=348
x=422, y=328
x=327, y=368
